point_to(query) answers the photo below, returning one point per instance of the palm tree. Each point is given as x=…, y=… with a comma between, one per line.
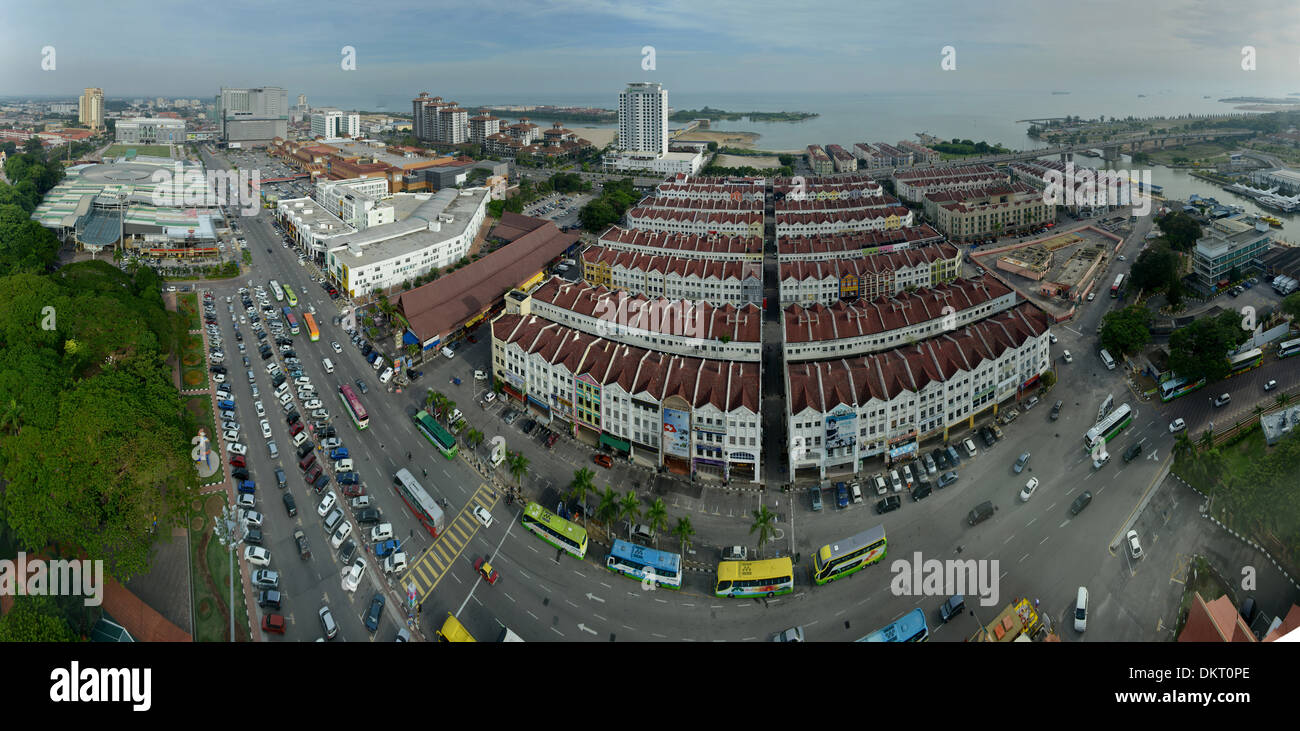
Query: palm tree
x=763, y=524
x=1183, y=447
x=629, y=509
x=429, y=398
x=518, y=466
x=684, y=531
x=1207, y=439
x=11, y=416
x=580, y=487
x=607, y=511
x=473, y=438
x=658, y=517
x=1283, y=399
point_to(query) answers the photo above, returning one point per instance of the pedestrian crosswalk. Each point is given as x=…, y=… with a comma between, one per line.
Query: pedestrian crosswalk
x=432, y=565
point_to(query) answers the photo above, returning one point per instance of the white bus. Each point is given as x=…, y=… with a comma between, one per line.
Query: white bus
x=277, y=291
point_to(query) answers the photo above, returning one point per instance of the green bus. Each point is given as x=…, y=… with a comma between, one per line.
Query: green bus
x=290, y=296
x=436, y=434
x=564, y=535
x=839, y=559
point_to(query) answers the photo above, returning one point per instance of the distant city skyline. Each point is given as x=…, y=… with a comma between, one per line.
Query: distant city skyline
x=581, y=47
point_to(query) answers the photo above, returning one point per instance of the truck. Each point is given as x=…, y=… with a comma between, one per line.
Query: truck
x=304, y=550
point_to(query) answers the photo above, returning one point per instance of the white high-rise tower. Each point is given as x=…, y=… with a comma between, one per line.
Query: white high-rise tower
x=643, y=118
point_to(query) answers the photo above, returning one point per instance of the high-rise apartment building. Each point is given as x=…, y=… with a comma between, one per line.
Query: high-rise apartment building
x=436, y=120
x=90, y=108
x=643, y=118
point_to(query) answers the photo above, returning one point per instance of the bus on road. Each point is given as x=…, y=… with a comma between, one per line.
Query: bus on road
x=290, y=296
x=275, y=290
x=1242, y=362
x=290, y=320
x=1108, y=428
x=1119, y=282
x=436, y=434
x=910, y=627
x=419, y=502
x=1177, y=386
x=755, y=578
x=640, y=563
x=564, y=535
x=1288, y=348
x=353, y=406
x=839, y=559
x=312, y=331
x=453, y=631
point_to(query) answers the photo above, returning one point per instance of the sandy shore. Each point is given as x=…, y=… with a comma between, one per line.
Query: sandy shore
x=598, y=136
x=738, y=161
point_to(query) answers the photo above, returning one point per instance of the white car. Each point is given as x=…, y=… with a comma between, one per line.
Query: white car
x=251, y=517
x=257, y=556
x=236, y=448
x=1067, y=357
x=219, y=377
x=1134, y=546
x=483, y=516
x=448, y=352
x=341, y=534
x=1177, y=425
x=381, y=532
x=302, y=381
x=327, y=503
x=969, y=445
x=285, y=398
x=320, y=414
x=480, y=376
x=231, y=434
x=261, y=410
x=312, y=404
x=360, y=502
x=266, y=429
x=352, y=575
x=335, y=345
x=387, y=374
x=1028, y=492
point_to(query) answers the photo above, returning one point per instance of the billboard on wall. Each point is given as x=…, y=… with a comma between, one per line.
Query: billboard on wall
x=841, y=429
x=677, y=433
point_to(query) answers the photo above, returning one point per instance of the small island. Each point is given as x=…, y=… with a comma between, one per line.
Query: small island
x=1256, y=100
x=686, y=115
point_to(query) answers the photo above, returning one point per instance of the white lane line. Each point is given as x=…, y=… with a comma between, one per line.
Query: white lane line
x=521, y=573
x=1022, y=558
x=809, y=624
x=656, y=634
x=607, y=586
x=742, y=639
x=597, y=616
x=566, y=601
x=556, y=631
x=629, y=629
x=1008, y=540
x=579, y=573
x=508, y=596
x=1044, y=540
x=717, y=606
x=533, y=549
x=661, y=601
x=543, y=587
x=534, y=616
x=1004, y=575
x=687, y=639
x=688, y=605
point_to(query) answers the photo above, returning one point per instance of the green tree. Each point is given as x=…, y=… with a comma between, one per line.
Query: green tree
x=518, y=465
x=1200, y=348
x=583, y=484
x=1126, y=331
x=657, y=517
x=1180, y=230
x=35, y=619
x=608, y=509
x=474, y=438
x=1155, y=269
x=1291, y=304
x=683, y=530
x=763, y=525
x=629, y=509
x=1183, y=446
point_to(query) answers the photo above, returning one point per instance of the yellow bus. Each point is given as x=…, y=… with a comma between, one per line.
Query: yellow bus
x=755, y=578
x=453, y=631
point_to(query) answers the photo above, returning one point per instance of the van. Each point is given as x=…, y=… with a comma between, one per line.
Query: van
x=952, y=455
x=1107, y=361
x=455, y=416
x=879, y=480
x=343, y=465
x=643, y=532
x=980, y=513
x=1081, y=610
x=857, y=492
x=379, y=363
x=329, y=366
x=1222, y=399
x=387, y=374
x=299, y=438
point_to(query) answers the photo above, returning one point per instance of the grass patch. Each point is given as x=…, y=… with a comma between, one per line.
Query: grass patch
x=212, y=560
x=188, y=305
x=1201, y=152
x=150, y=150
x=1201, y=579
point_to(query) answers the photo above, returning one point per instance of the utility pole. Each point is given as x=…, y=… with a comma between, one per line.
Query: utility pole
x=227, y=538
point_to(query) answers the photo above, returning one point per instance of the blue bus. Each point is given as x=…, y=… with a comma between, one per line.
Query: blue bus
x=910, y=627
x=639, y=562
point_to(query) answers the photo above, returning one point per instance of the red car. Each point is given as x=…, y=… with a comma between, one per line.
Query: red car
x=604, y=460
x=297, y=427
x=312, y=474
x=273, y=623
x=354, y=490
x=485, y=570
x=238, y=461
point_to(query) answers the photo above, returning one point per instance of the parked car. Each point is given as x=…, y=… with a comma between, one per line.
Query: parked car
x=947, y=479
x=841, y=495
x=1021, y=461
x=604, y=460
x=1134, y=545
x=889, y=504
x=816, y=494
x=1030, y=487
x=969, y=446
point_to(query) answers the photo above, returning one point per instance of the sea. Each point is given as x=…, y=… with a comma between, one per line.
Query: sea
x=844, y=119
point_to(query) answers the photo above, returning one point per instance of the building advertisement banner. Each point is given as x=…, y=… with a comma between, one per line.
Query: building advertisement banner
x=841, y=429
x=677, y=433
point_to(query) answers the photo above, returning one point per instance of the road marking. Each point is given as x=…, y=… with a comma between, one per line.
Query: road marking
x=1004, y=575
x=597, y=616
x=688, y=605
x=593, y=597
x=742, y=639
x=1022, y=558
x=629, y=629
x=656, y=634
x=1044, y=540
x=579, y=573
x=1008, y=540
x=544, y=589
x=809, y=624
x=534, y=616
x=717, y=606
x=661, y=601
x=607, y=586
x=1063, y=524
x=566, y=601
x=1030, y=523
x=533, y=549
x=508, y=596
x=556, y=631
x=582, y=627
x=521, y=573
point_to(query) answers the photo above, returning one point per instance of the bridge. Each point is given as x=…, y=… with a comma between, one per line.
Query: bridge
x=1111, y=150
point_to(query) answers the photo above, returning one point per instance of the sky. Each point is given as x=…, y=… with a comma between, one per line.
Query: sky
x=579, y=47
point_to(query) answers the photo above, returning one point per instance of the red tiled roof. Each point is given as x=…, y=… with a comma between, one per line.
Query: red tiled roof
x=817, y=322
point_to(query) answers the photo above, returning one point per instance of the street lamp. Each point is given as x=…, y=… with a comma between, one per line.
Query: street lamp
x=226, y=538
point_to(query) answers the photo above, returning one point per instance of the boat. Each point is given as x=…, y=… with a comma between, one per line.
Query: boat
x=1273, y=221
x=1150, y=188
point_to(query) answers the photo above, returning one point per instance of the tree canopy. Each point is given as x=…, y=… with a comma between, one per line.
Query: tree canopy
x=1127, y=330
x=1201, y=348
